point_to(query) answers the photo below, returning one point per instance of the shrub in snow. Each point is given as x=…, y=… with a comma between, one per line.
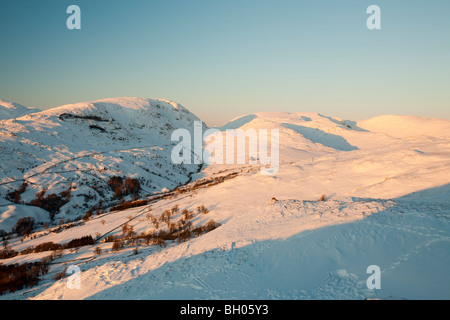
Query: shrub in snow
x=24, y=226
x=202, y=209
x=211, y=225
x=52, y=203
x=8, y=253
x=117, y=245
x=80, y=242
x=14, y=196
x=47, y=246
x=122, y=187
x=97, y=251
x=15, y=277
x=187, y=215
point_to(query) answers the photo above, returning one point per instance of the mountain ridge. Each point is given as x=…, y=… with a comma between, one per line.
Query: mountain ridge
x=11, y=110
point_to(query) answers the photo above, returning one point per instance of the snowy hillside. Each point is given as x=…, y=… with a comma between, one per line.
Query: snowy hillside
x=347, y=195
x=69, y=155
x=406, y=126
x=11, y=110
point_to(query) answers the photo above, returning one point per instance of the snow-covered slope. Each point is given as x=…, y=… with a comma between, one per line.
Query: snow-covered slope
x=386, y=202
x=11, y=110
x=79, y=147
x=407, y=126
x=333, y=156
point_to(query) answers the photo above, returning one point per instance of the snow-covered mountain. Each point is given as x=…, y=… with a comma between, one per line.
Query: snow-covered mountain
x=11, y=110
x=407, y=126
x=74, y=150
x=347, y=195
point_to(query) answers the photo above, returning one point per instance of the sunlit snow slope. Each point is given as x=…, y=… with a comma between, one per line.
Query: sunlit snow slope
x=79, y=147
x=386, y=202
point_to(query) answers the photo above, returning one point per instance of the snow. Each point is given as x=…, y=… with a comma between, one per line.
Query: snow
x=11, y=110
x=9, y=214
x=84, y=144
x=387, y=204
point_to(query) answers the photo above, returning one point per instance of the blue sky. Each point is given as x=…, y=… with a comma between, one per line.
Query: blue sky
x=222, y=59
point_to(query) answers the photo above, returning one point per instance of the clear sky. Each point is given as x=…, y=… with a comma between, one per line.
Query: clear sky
x=225, y=58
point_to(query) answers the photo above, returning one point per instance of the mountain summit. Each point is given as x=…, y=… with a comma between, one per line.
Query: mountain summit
x=11, y=110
